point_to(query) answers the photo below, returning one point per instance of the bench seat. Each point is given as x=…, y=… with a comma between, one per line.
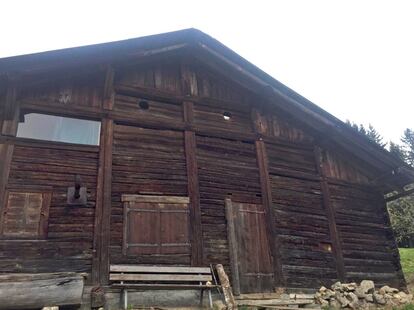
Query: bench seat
x=161, y=277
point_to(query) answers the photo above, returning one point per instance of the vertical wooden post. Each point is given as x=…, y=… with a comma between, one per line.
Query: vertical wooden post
x=330, y=214
x=8, y=128
x=109, y=94
x=260, y=128
x=189, y=88
x=97, y=236
x=231, y=235
x=100, y=261
x=266, y=190
x=193, y=190
x=108, y=127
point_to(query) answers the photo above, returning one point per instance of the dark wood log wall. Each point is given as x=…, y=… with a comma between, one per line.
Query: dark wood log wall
x=51, y=167
x=70, y=229
x=164, y=126
x=145, y=161
x=226, y=168
x=300, y=218
x=368, y=244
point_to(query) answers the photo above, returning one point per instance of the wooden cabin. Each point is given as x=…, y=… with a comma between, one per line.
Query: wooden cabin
x=172, y=150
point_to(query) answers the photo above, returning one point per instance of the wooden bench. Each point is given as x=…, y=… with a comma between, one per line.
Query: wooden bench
x=161, y=277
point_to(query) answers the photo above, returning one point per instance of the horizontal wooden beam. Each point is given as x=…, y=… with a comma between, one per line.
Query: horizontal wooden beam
x=47, y=144
x=169, y=96
x=36, y=65
x=399, y=195
x=155, y=199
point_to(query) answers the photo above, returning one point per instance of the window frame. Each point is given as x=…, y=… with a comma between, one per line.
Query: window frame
x=23, y=111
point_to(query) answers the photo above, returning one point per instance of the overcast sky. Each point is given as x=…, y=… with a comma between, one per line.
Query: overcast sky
x=355, y=59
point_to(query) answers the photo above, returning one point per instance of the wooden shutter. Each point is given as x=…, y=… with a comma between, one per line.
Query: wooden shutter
x=25, y=215
x=156, y=225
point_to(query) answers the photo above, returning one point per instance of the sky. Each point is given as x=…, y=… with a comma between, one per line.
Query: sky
x=354, y=59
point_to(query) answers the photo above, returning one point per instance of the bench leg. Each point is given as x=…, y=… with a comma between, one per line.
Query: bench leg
x=210, y=300
x=125, y=297
x=201, y=298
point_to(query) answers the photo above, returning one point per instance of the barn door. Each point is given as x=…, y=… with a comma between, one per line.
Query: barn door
x=156, y=225
x=251, y=262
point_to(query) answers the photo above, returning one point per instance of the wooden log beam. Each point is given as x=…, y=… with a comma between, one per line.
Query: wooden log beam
x=31, y=291
x=399, y=195
x=266, y=190
x=330, y=215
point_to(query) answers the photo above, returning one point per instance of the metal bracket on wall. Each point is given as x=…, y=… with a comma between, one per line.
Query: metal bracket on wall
x=77, y=195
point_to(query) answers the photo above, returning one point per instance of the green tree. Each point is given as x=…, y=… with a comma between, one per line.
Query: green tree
x=402, y=210
x=402, y=217
x=408, y=143
x=397, y=150
x=370, y=132
x=373, y=134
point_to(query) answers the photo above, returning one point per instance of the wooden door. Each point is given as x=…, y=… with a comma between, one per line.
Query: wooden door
x=251, y=262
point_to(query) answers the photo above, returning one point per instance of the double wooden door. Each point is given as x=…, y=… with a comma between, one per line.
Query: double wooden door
x=251, y=262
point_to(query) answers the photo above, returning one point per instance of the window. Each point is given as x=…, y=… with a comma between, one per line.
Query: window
x=155, y=225
x=25, y=215
x=60, y=129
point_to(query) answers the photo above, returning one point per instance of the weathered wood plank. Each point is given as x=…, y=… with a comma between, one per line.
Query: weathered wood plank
x=189, y=88
x=231, y=235
x=193, y=191
x=274, y=302
x=159, y=269
x=159, y=277
x=155, y=199
x=226, y=287
x=160, y=286
x=44, y=214
x=29, y=291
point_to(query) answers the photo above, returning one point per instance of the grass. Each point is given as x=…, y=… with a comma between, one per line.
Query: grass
x=407, y=263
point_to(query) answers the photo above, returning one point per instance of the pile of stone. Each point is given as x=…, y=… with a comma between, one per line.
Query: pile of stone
x=362, y=296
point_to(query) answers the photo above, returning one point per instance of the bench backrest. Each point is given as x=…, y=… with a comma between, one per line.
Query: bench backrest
x=134, y=273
